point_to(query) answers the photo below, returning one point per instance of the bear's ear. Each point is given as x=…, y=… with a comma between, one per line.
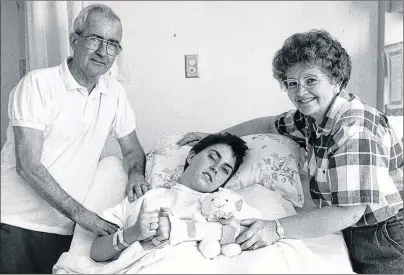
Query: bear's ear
x=239, y=204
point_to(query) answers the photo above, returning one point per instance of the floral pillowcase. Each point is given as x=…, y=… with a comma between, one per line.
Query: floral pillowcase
x=273, y=161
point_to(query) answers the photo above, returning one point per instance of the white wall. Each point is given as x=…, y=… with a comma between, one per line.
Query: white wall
x=11, y=50
x=236, y=42
x=393, y=28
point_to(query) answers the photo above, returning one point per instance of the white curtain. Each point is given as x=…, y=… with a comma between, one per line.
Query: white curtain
x=48, y=24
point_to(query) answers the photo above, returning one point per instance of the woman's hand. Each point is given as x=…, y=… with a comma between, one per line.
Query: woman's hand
x=259, y=234
x=191, y=138
x=146, y=224
x=164, y=230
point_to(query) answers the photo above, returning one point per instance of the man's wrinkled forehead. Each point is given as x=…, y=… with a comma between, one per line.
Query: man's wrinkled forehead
x=103, y=26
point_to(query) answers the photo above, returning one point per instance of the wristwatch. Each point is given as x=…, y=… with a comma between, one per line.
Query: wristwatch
x=279, y=229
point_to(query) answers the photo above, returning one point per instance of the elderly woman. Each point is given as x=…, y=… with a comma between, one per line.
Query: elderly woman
x=354, y=158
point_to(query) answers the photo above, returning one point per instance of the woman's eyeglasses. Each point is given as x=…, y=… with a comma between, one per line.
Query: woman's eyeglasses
x=309, y=82
x=94, y=43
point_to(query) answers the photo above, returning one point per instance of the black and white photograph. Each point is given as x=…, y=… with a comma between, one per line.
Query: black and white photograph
x=202, y=137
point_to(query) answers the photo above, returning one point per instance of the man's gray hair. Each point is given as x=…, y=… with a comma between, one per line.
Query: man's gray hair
x=80, y=21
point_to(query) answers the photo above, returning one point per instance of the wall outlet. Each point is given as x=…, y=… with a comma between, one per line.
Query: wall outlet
x=191, y=66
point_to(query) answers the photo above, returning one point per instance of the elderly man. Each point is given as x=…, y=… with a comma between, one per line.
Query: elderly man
x=59, y=121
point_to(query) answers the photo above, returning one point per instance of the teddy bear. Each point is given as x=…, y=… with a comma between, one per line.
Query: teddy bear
x=227, y=207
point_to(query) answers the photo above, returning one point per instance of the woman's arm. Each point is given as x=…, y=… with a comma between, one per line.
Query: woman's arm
x=260, y=125
x=255, y=126
x=186, y=230
x=146, y=225
x=321, y=222
x=102, y=248
x=316, y=223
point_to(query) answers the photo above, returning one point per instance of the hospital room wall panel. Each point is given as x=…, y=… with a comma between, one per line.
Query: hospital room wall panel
x=236, y=42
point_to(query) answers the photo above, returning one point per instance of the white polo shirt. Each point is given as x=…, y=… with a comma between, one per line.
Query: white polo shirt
x=75, y=125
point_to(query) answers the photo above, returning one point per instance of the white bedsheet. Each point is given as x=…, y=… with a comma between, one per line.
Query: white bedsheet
x=331, y=248
x=327, y=254
x=286, y=256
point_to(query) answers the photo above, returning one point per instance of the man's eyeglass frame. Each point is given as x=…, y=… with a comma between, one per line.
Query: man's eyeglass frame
x=102, y=42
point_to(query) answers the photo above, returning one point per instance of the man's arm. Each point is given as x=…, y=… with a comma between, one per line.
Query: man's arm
x=28, y=151
x=134, y=163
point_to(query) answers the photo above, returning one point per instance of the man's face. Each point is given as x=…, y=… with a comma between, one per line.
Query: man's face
x=94, y=63
x=209, y=169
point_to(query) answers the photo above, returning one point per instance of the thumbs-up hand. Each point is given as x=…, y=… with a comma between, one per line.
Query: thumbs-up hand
x=163, y=232
x=146, y=224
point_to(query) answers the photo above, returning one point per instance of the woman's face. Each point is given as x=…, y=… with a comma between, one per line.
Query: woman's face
x=315, y=99
x=209, y=169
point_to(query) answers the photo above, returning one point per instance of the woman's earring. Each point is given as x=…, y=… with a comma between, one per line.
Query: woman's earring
x=335, y=90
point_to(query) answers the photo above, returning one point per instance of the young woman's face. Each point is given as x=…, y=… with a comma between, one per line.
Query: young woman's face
x=209, y=169
x=316, y=97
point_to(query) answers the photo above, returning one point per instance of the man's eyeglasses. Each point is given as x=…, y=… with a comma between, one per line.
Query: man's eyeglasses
x=309, y=82
x=94, y=43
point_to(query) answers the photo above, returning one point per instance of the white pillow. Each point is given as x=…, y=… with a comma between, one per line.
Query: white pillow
x=271, y=204
x=107, y=189
x=273, y=161
x=165, y=161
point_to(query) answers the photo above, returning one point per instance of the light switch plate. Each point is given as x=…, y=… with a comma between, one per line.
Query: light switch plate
x=191, y=66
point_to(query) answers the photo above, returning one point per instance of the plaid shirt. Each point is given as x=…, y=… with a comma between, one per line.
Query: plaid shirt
x=354, y=157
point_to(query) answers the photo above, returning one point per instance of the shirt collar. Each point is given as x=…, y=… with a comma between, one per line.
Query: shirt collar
x=328, y=121
x=181, y=187
x=71, y=83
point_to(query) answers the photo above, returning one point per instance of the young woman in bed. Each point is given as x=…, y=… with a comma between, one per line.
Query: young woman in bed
x=355, y=160
x=209, y=165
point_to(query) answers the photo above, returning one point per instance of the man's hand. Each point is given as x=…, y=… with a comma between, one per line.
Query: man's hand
x=90, y=221
x=146, y=224
x=259, y=234
x=191, y=138
x=136, y=187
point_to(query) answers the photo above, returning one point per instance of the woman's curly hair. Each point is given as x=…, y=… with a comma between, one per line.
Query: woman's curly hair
x=315, y=47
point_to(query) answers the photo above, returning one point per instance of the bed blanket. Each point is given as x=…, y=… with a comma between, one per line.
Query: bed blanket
x=285, y=256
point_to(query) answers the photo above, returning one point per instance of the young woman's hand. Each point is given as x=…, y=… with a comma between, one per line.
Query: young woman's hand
x=191, y=138
x=163, y=232
x=146, y=224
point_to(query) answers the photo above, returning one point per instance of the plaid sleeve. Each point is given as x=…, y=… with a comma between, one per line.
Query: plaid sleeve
x=358, y=170
x=292, y=124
